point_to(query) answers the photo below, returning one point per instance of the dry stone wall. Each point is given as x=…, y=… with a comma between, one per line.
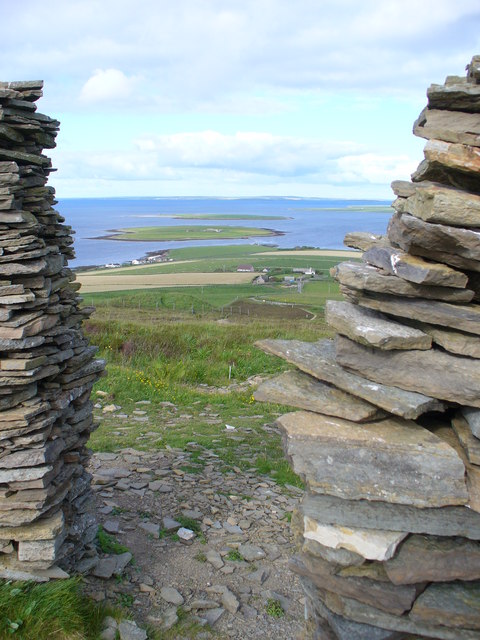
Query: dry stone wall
x=47, y=368
x=388, y=436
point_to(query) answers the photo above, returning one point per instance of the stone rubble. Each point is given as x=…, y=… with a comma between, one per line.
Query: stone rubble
x=236, y=564
x=47, y=368
x=389, y=527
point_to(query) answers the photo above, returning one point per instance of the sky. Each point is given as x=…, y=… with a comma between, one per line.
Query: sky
x=235, y=98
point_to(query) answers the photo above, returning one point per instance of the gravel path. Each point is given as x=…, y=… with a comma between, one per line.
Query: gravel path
x=232, y=578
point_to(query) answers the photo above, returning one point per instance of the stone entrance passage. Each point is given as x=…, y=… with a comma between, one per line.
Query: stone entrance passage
x=388, y=436
x=47, y=368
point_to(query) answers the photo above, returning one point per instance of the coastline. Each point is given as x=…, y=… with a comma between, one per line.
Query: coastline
x=115, y=232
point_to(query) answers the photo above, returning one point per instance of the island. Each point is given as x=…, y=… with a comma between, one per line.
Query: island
x=183, y=233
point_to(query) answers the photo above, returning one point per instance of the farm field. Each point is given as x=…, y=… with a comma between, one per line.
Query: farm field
x=125, y=282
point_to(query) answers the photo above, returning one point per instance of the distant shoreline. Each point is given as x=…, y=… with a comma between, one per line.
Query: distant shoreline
x=114, y=235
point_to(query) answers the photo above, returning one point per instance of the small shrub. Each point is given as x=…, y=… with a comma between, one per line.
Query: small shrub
x=274, y=608
x=200, y=557
x=234, y=555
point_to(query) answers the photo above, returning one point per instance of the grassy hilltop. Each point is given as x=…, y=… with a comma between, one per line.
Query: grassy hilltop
x=193, y=346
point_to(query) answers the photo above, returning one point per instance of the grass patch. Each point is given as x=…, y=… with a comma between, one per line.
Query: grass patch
x=189, y=523
x=234, y=556
x=56, y=610
x=107, y=543
x=274, y=608
x=200, y=557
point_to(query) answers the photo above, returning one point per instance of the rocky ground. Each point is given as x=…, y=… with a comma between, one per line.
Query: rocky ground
x=230, y=575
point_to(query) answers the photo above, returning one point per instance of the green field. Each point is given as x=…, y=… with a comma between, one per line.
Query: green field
x=159, y=355
x=183, y=232
x=214, y=300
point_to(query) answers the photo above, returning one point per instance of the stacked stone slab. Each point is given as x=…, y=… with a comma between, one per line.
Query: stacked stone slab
x=47, y=368
x=388, y=436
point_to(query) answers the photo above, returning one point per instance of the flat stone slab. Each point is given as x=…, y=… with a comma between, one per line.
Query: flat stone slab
x=454, y=605
x=368, y=543
x=384, y=595
x=44, y=529
x=300, y=390
x=414, y=269
x=342, y=557
x=318, y=360
x=361, y=612
x=463, y=344
x=443, y=521
x=472, y=416
x=429, y=239
x=437, y=373
x=456, y=96
x=434, y=202
x=362, y=240
x=447, y=434
x=469, y=442
x=458, y=157
x=434, y=559
x=455, y=316
x=449, y=126
x=347, y=629
x=356, y=275
x=372, y=328
x=390, y=460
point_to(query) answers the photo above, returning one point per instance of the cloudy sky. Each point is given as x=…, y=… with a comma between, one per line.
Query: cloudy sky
x=235, y=97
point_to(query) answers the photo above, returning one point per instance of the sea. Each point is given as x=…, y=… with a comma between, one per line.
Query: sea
x=309, y=222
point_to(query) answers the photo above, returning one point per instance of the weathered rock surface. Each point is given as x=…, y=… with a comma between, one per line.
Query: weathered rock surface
x=459, y=95
x=436, y=203
x=366, y=514
x=318, y=360
x=453, y=605
x=362, y=240
x=448, y=126
x=463, y=344
x=414, y=269
x=373, y=329
x=360, y=612
x=305, y=392
x=456, y=316
x=390, y=460
x=370, y=544
x=469, y=442
x=366, y=277
x=429, y=239
x=472, y=416
x=439, y=374
x=434, y=559
x=385, y=596
x=46, y=367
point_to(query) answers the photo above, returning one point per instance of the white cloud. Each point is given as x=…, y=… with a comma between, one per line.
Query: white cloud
x=189, y=53
x=245, y=157
x=249, y=152
x=372, y=168
x=107, y=85
x=209, y=65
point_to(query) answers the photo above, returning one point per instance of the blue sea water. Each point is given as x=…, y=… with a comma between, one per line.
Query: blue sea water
x=313, y=222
